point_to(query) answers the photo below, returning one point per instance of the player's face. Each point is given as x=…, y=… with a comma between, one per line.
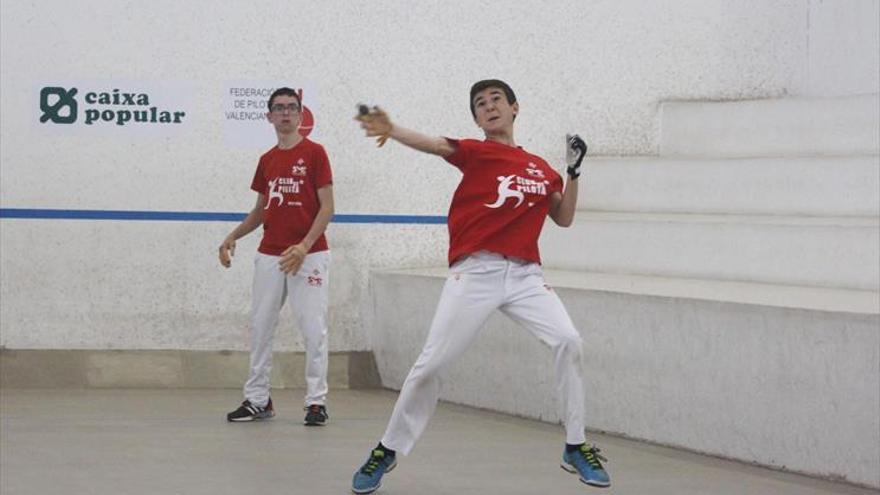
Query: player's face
x=285, y=114
x=492, y=112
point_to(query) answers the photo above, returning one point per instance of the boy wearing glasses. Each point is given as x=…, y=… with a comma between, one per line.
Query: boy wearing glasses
x=495, y=219
x=294, y=187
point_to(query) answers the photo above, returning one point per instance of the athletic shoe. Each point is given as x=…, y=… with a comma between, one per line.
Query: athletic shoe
x=585, y=462
x=316, y=415
x=249, y=412
x=368, y=478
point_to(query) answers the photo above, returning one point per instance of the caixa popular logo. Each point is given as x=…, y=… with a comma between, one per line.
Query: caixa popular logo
x=62, y=106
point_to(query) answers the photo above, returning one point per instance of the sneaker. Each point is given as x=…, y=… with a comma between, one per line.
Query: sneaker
x=316, y=415
x=585, y=462
x=368, y=478
x=249, y=412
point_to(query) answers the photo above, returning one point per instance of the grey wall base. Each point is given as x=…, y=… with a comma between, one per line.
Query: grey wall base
x=44, y=368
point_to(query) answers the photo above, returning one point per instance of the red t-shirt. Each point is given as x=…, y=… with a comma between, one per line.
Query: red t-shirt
x=502, y=199
x=290, y=179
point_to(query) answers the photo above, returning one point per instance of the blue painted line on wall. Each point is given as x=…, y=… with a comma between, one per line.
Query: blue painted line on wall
x=194, y=216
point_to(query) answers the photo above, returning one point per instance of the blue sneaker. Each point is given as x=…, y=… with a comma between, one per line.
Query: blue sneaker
x=368, y=478
x=585, y=462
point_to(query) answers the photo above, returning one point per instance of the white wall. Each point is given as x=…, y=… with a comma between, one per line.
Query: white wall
x=842, y=42
x=597, y=67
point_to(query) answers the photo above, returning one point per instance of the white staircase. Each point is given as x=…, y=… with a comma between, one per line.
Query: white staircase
x=799, y=206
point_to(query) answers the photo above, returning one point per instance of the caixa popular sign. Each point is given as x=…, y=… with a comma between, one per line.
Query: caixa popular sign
x=111, y=105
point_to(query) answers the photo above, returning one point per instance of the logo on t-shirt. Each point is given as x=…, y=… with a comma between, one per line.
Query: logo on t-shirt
x=505, y=191
x=281, y=185
x=534, y=171
x=513, y=186
x=300, y=168
x=274, y=193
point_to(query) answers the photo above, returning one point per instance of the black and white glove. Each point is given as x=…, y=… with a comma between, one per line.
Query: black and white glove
x=575, y=151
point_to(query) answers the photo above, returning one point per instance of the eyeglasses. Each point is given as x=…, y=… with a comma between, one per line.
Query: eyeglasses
x=292, y=108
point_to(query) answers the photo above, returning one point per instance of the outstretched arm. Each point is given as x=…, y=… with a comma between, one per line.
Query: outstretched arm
x=377, y=124
x=253, y=220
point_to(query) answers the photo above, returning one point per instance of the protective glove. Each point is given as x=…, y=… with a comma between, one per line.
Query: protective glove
x=575, y=151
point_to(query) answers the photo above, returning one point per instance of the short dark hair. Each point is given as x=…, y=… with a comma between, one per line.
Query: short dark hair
x=285, y=91
x=491, y=83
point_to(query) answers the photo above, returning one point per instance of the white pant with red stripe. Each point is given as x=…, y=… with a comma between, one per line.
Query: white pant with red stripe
x=475, y=287
x=306, y=293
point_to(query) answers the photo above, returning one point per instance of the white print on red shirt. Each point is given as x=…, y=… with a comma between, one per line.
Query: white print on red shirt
x=282, y=185
x=507, y=189
x=299, y=169
x=274, y=193
x=534, y=171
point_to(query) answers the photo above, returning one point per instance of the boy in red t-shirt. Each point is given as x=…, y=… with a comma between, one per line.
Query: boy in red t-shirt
x=294, y=187
x=495, y=218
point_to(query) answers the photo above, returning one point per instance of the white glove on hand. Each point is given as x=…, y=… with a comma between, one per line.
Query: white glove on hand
x=575, y=151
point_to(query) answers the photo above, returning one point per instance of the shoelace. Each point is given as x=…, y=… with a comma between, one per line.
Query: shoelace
x=314, y=409
x=592, y=456
x=376, y=457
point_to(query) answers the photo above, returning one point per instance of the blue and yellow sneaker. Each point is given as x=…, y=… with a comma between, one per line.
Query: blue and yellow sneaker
x=585, y=462
x=368, y=478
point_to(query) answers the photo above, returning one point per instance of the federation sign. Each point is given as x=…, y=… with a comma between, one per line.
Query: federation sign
x=245, y=107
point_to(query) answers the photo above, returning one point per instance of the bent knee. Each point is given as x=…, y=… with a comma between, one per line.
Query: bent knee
x=423, y=373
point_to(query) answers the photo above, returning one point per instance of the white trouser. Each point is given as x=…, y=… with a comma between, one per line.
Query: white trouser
x=474, y=288
x=306, y=292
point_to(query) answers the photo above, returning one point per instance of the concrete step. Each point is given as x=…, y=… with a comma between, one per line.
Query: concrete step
x=838, y=252
x=779, y=127
x=738, y=370
x=134, y=368
x=824, y=186
x=779, y=296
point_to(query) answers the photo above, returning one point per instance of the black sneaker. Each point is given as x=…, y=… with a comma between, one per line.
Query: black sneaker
x=249, y=412
x=316, y=415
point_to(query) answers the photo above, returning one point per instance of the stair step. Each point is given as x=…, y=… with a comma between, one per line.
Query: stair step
x=837, y=252
x=836, y=186
x=775, y=295
x=778, y=127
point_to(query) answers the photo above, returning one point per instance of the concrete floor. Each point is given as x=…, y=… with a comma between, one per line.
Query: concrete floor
x=172, y=441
